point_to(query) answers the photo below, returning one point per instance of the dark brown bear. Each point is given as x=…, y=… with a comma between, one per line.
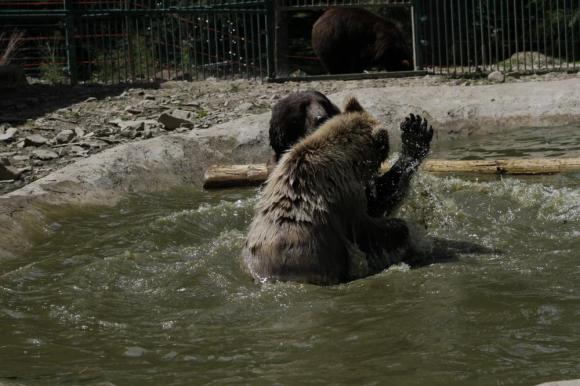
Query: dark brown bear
x=351, y=40
x=296, y=116
x=311, y=224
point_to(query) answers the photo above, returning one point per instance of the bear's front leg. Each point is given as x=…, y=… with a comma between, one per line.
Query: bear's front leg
x=386, y=192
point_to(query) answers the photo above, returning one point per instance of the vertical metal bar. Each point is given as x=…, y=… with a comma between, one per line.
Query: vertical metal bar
x=223, y=60
x=509, y=28
x=538, y=39
x=202, y=43
x=452, y=17
x=488, y=29
x=552, y=36
x=439, y=41
x=415, y=12
x=565, y=13
x=475, y=49
x=183, y=48
x=496, y=34
x=259, y=31
x=467, y=40
x=70, y=42
x=503, y=35
x=269, y=16
x=524, y=35
x=558, y=39
x=216, y=45
x=446, y=35
x=516, y=36
x=483, y=55
x=245, y=38
x=531, y=35
x=573, y=38
x=230, y=31
x=545, y=30
x=193, y=42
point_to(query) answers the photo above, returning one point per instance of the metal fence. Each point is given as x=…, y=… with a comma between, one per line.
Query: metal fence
x=480, y=36
x=116, y=41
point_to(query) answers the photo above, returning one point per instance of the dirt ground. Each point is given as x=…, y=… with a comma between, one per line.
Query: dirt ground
x=43, y=128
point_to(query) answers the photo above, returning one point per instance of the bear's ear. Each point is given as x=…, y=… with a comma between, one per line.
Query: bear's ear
x=352, y=106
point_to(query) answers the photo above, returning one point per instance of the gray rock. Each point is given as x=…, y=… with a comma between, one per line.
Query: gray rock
x=79, y=132
x=9, y=135
x=35, y=140
x=77, y=151
x=128, y=125
x=44, y=155
x=496, y=76
x=246, y=106
x=134, y=110
x=135, y=352
x=65, y=136
x=8, y=173
x=172, y=122
x=90, y=99
x=21, y=158
x=93, y=144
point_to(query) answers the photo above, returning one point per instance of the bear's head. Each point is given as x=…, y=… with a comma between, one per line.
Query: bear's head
x=296, y=116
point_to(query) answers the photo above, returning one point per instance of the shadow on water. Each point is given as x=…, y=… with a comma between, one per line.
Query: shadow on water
x=33, y=101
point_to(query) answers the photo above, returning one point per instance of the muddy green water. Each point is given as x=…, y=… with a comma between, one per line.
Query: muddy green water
x=150, y=292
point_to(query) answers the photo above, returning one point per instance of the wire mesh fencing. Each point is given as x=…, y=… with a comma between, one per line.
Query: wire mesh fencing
x=118, y=41
x=480, y=36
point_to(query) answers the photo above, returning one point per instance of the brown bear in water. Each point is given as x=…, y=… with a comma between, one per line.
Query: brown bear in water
x=301, y=113
x=296, y=116
x=351, y=40
x=311, y=224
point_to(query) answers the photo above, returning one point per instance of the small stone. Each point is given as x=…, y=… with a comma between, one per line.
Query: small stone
x=35, y=140
x=133, y=110
x=246, y=106
x=44, y=155
x=65, y=136
x=149, y=97
x=8, y=173
x=496, y=77
x=21, y=158
x=90, y=99
x=79, y=132
x=171, y=122
x=135, y=352
x=93, y=144
x=9, y=135
x=77, y=151
x=128, y=125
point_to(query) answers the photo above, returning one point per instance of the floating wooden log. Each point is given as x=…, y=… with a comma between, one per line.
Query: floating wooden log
x=222, y=176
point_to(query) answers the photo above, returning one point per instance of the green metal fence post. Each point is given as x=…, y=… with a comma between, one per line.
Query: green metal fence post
x=71, y=57
x=271, y=41
x=416, y=16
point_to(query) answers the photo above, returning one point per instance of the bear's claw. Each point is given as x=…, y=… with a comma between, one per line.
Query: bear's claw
x=416, y=137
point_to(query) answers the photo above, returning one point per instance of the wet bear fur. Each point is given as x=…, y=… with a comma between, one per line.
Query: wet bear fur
x=311, y=223
x=296, y=116
x=351, y=40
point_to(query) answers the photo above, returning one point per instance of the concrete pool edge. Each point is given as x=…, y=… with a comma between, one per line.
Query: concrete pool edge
x=180, y=159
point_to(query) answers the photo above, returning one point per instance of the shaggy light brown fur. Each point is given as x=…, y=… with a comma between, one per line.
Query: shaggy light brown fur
x=311, y=223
